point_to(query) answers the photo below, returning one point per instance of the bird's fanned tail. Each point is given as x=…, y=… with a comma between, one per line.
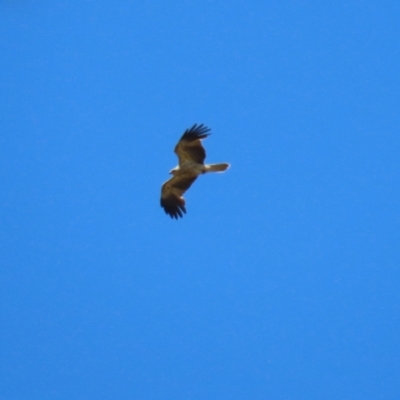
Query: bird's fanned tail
x=217, y=167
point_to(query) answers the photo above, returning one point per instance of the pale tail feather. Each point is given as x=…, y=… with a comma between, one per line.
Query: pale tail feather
x=217, y=167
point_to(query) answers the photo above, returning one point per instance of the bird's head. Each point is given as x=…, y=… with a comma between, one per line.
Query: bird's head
x=173, y=170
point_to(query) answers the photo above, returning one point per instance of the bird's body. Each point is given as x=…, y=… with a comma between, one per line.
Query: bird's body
x=191, y=156
x=188, y=167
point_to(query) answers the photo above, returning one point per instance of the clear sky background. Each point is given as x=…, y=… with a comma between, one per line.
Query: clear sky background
x=281, y=282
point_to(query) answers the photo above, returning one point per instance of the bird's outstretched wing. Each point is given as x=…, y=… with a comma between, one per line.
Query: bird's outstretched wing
x=171, y=195
x=189, y=147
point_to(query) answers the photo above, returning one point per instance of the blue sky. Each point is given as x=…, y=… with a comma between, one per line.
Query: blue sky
x=281, y=282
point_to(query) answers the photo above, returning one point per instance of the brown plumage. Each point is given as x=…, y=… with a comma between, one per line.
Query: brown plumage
x=191, y=156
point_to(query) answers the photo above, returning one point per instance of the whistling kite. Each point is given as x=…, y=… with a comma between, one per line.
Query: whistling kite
x=191, y=155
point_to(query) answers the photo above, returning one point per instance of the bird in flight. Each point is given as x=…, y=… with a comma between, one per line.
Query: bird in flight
x=191, y=156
